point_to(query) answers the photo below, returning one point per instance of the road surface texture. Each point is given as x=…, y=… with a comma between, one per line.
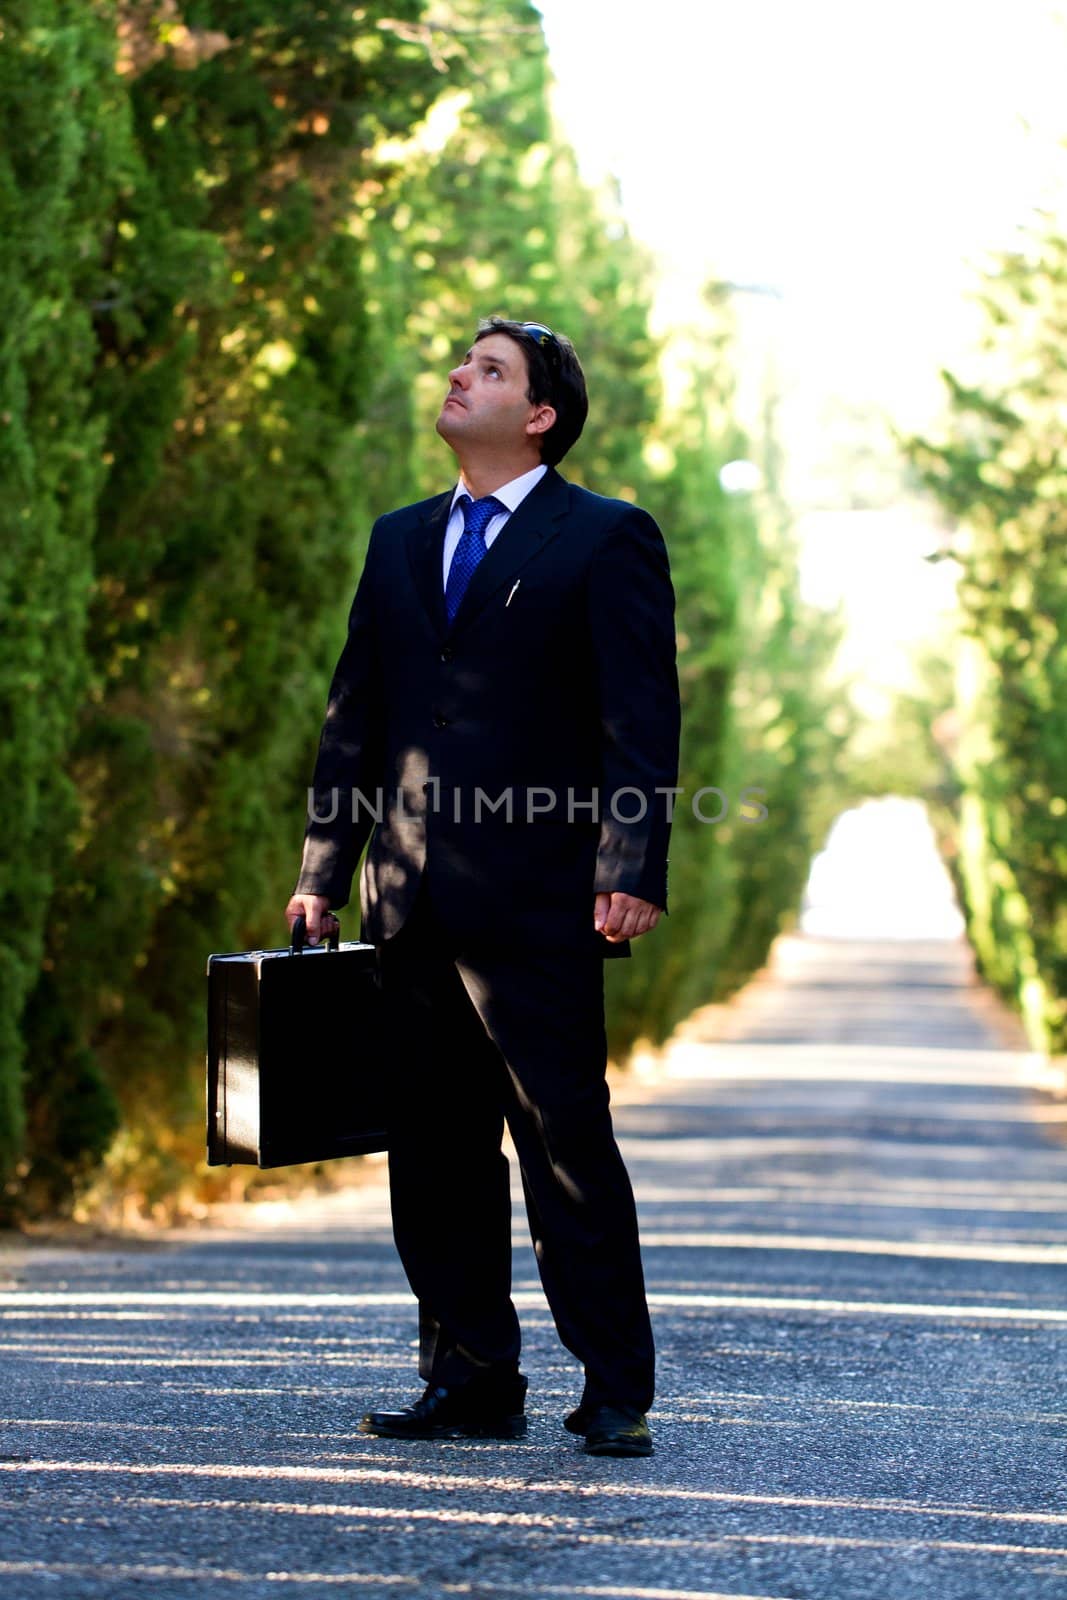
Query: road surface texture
x=852, y=1191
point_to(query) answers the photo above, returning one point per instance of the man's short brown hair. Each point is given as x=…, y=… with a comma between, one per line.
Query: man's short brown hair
x=556, y=379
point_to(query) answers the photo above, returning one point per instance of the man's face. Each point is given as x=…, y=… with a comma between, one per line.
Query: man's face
x=487, y=405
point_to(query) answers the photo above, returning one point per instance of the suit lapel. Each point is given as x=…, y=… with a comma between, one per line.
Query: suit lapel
x=526, y=532
x=426, y=545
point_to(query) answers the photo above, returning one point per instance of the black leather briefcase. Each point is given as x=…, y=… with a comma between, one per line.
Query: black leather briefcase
x=296, y=1057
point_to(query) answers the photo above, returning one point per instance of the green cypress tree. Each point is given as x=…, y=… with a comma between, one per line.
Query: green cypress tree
x=223, y=379
x=61, y=143
x=998, y=470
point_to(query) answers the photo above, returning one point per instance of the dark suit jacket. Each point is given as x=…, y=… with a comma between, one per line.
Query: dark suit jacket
x=565, y=690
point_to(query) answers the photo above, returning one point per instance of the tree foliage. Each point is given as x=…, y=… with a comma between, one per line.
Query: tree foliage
x=61, y=154
x=999, y=471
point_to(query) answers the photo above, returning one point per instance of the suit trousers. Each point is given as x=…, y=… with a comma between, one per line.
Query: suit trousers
x=481, y=1036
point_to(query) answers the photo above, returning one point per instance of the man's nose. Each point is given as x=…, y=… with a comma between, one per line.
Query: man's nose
x=460, y=376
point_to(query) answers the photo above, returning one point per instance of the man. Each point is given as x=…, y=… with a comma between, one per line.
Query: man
x=506, y=711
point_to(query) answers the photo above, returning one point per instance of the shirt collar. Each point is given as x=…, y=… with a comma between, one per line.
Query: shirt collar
x=509, y=494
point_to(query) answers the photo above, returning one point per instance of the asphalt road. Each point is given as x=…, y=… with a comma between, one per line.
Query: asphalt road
x=853, y=1216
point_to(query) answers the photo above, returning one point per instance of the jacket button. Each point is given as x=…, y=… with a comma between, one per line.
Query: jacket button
x=439, y=721
x=447, y=653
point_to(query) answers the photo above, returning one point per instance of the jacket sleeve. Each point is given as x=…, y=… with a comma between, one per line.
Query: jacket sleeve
x=349, y=769
x=631, y=614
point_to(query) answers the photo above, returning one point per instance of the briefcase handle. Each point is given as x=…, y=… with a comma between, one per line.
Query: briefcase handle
x=299, y=934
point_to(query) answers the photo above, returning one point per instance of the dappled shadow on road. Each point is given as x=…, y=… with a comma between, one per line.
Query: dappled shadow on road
x=854, y=1250
x=920, y=994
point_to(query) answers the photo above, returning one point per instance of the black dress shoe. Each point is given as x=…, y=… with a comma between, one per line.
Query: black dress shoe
x=611, y=1430
x=474, y=1410
x=577, y=1421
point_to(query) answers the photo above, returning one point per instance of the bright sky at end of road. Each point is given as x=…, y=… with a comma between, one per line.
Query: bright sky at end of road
x=855, y=156
x=880, y=877
x=863, y=161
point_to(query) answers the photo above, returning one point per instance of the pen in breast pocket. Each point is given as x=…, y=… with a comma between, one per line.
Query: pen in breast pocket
x=511, y=596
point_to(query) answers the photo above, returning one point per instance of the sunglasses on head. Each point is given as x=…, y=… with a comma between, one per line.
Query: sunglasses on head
x=544, y=337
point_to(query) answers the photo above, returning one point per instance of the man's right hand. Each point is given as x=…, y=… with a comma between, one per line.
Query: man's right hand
x=315, y=908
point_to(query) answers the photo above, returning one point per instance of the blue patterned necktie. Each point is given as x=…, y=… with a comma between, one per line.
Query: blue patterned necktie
x=477, y=515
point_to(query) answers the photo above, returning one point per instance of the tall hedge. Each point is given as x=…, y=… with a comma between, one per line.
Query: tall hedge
x=208, y=354
x=999, y=470
x=63, y=148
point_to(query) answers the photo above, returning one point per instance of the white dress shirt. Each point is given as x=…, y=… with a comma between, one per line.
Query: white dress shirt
x=510, y=495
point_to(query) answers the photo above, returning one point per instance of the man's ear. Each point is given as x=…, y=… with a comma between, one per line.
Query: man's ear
x=542, y=419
